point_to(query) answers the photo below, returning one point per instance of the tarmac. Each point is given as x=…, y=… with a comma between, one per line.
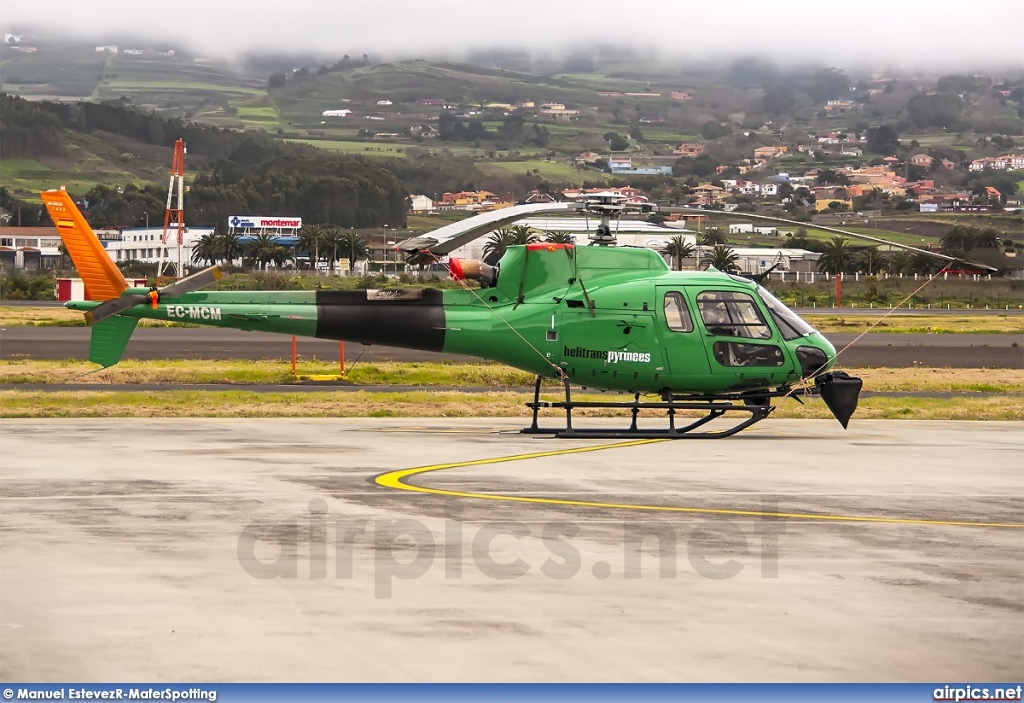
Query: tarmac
x=871, y=350
x=460, y=550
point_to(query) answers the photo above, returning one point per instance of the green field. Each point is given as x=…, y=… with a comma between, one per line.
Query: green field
x=89, y=161
x=549, y=170
x=379, y=148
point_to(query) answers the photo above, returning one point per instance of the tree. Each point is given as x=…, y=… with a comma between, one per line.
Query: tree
x=828, y=84
x=679, y=249
x=827, y=176
x=311, y=238
x=778, y=100
x=333, y=243
x=502, y=239
x=988, y=238
x=871, y=260
x=205, y=250
x=228, y=247
x=883, y=140
x=277, y=80
x=713, y=236
x=714, y=130
x=617, y=143
x=837, y=257
x=722, y=258
x=938, y=110
x=959, y=240
x=560, y=238
x=351, y=246
x=263, y=249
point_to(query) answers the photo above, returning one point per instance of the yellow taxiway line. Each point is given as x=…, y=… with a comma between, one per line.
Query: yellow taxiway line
x=399, y=480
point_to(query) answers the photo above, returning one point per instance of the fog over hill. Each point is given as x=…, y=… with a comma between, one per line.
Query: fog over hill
x=941, y=36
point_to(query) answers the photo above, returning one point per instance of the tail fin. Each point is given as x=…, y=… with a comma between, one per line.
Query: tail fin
x=103, y=280
x=109, y=338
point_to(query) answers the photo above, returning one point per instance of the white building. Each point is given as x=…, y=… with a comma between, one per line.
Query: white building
x=335, y=113
x=144, y=245
x=753, y=260
x=421, y=203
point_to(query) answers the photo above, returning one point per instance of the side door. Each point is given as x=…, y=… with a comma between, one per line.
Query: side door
x=683, y=347
x=739, y=337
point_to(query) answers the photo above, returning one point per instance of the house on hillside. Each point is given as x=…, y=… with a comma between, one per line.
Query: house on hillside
x=689, y=149
x=708, y=194
x=922, y=160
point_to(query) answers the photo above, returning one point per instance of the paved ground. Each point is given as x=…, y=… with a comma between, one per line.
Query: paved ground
x=892, y=350
x=144, y=550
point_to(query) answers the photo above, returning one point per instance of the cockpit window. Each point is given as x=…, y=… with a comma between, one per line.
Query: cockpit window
x=789, y=323
x=732, y=314
x=677, y=315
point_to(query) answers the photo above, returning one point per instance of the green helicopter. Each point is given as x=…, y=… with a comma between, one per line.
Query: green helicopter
x=600, y=317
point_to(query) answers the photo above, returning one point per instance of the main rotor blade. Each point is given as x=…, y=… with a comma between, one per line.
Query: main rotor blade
x=447, y=239
x=834, y=230
x=114, y=306
x=192, y=283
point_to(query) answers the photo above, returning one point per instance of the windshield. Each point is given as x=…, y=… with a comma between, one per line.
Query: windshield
x=789, y=323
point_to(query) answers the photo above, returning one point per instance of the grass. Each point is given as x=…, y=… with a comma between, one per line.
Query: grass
x=549, y=170
x=28, y=316
x=191, y=404
x=919, y=324
x=380, y=148
x=426, y=374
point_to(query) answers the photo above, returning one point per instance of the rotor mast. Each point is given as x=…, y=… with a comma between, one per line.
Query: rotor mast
x=175, y=187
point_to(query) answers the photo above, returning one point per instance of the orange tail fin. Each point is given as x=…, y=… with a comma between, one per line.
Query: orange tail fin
x=102, y=278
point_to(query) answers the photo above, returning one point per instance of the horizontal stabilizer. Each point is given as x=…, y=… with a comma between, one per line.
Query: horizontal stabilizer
x=109, y=339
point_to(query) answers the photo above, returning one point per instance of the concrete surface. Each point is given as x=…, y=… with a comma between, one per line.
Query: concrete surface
x=143, y=550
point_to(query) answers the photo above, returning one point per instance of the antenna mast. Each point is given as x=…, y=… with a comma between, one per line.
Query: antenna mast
x=178, y=211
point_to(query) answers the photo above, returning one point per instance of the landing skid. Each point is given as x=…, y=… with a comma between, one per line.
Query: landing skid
x=757, y=407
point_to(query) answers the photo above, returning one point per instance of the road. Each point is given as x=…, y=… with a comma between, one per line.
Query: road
x=876, y=350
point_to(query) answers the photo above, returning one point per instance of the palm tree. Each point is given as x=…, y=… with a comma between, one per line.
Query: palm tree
x=678, y=248
x=713, y=236
x=497, y=244
x=523, y=234
x=310, y=239
x=332, y=244
x=228, y=247
x=922, y=263
x=264, y=249
x=871, y=260
x=899, y=262
x=959, y=240
x=352, y=247
x=837, y=257
x=722, y=258
x=560, y=238
x=988, y=238
x=205, y=250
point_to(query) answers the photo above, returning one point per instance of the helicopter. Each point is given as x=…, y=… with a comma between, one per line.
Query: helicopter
x=595, y=316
